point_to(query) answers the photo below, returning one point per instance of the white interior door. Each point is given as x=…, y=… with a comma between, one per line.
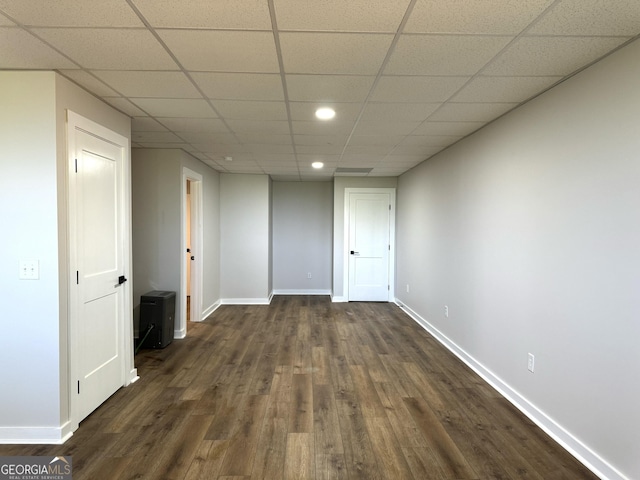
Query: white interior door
x=97, y=197
x=369, y=246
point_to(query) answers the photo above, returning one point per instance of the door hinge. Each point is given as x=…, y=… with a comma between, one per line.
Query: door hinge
x=77, y=277
x=389, y=247
x=76, y=165
x=389, y=207
x=389, y=288
x=78, y=387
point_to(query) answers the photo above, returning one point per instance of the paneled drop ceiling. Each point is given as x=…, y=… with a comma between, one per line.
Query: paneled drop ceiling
x=242, y=78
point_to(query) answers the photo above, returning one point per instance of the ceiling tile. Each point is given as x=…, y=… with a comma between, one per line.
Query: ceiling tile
x=332, y=53
x=370, y=140
x=338, y=15
x=237, y=109
x=264, y=138
x=448, y=128
x=368, y=149
x=443, y=54
x=240, y=86
x=156, y=137
x=149, y=84
x=417, y=150
x=4, y=21
x=125, y=106
x=182, y=146
x=429, y=140
x=71, y=13
x=175, y=107
x=109, y=49
x=591, y=17
x=327, y=149
x=305, y=111
x=262, y=149
x=416, y=88
x=351, y=159
x=322, y=128
x=146, y=124
x=204, y=138
x=194, y=124
x=285, y=178
x=280, y=127
x=223, y=51
x=320, y=140
x=328, y=88
x=496, y=17
x=550, y=55
x=19, y=50
x=221, y=149
x=219, y=14
x=401, y=112
x=277, y=159
x=89, y=82
x=405, y=160
x=471, y=111
x=385, y=128
x=504, y=89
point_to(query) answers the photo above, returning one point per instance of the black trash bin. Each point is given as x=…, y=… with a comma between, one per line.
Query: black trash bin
x=157, y=310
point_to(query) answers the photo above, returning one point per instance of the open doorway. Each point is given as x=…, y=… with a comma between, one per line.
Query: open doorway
x=191, y=264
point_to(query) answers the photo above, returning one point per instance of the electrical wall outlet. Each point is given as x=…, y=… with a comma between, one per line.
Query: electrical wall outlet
x=407, y=288
x=446, y=311
x=531, y=362
x=29, y=270
x=309, y=275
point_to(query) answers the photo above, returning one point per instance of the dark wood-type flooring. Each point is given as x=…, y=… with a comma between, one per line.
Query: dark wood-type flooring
x=307, y=389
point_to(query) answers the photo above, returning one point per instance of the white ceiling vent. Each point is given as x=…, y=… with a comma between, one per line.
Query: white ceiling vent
x=352, y=172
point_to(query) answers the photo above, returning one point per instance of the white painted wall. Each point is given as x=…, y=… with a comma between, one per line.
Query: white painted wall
x=302, y=237
x=245, y=238
x=339, y=186
x=34, y=405
x=157, y=252
x=529, y=231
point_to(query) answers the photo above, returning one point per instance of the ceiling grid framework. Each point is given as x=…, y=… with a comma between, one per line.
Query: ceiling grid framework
x=243, y=78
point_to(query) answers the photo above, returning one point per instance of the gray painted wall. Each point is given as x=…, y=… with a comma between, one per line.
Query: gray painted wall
x=34, y=404
x=302, y=237
x=157, y=203
x=529, y=231
x=245, y=230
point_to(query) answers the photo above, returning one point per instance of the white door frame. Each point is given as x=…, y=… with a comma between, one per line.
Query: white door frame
x=196, y=246
x=77, y=122
x=392, y=237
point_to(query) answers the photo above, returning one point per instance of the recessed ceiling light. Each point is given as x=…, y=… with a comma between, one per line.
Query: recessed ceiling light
x=325, y=113
x=317, y=164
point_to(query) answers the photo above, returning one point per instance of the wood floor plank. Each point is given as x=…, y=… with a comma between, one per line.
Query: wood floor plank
x=244, y=442
x=359, y=457
x=307, y=388
x=301, y=414
x=299, y=462
x=272, y=448
x=326, y=426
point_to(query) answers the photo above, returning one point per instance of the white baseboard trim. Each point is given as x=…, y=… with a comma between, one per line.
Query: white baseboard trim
x=210, y=309
x=35, y=435
x=246, y=301
x=569, y=442
x=302, y=292
x=133, y=377
x=339, y=299
x=179, y=334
